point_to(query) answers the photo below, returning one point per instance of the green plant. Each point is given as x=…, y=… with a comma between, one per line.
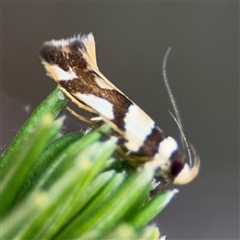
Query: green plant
x=57, y=186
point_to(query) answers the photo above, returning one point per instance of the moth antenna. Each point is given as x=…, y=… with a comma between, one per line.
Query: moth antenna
x=184, y=139
x=176, y=116
x=169, y=90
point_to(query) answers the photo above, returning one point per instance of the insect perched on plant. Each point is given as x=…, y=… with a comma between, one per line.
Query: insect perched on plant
x=72, y=64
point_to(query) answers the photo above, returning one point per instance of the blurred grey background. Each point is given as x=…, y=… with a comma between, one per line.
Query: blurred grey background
x=132, y=38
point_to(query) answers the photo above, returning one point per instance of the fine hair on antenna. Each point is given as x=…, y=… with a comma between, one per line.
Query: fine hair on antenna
x=176, y=115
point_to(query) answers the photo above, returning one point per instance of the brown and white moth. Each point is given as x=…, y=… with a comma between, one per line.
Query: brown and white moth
x=72, y=64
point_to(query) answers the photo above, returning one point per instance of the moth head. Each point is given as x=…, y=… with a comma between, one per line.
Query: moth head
x=188, y=171
x=176, y=169
x=180, y=171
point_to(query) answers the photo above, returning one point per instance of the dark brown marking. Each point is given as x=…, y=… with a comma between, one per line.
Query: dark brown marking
x=76, y=45
x=177, y=163
x=54, y=55
x=87, y=85
x=151, y=143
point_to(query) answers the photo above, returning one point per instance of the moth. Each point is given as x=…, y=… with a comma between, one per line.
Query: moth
x=72, y=64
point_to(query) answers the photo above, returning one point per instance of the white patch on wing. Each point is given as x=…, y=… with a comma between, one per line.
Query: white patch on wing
x=58, y=73
x=138, y=126
x=166, y=148
x=100, y=105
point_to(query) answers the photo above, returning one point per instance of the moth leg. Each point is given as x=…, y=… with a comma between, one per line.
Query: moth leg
x=77, y=102
x=89, y=109
x=96, y=119
x=82, y=118
x=161, y=184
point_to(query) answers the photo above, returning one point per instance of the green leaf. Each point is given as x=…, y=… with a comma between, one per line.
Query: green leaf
x=48, y=158
x=152, y=208
x=124, y=231
x=54, y=204
x=53, y=104
x=14, y=177
x=72, y=186
x=113, y=209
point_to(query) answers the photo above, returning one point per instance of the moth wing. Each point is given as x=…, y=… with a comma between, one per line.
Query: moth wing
x=89, y=53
